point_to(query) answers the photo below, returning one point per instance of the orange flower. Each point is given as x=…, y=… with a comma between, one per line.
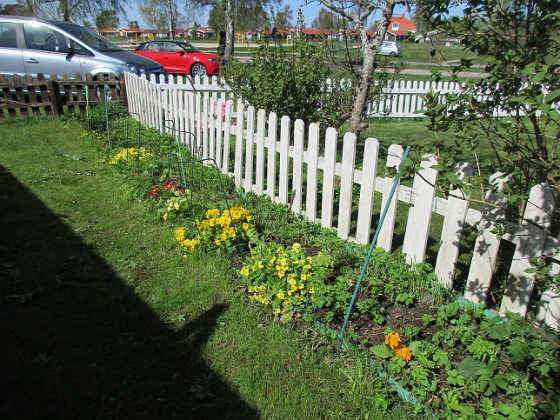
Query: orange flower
x=405, y=353
x=393, y=340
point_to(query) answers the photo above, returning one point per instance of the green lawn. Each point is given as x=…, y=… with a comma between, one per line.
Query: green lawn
x=102, y=318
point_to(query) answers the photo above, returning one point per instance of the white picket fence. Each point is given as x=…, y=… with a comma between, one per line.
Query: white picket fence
x=289, y=163
x=403, y=99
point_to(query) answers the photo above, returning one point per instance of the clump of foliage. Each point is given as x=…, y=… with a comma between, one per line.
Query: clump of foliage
x=284, y=278
x=229, y=228
x=288, y=81
x=512, y=113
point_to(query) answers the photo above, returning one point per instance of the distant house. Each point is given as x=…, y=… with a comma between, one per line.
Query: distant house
x=201, y=32
x=400, y=27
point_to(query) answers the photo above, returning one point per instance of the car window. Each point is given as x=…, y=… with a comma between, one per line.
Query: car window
x=154, y=47
x=44, y=39
x=8, y=35
x=90, y=38
x=170, y=47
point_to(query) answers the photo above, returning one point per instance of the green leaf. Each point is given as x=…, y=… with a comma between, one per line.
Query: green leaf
x=469, y=366
x=500, y=332
x=381, y=351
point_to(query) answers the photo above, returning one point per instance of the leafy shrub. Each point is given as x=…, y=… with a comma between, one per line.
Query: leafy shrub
x=228, y=228
x=284, y=278
x=289, y=81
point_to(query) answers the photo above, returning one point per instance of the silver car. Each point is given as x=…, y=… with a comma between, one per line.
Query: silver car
x=390, y=48
x=32, y=46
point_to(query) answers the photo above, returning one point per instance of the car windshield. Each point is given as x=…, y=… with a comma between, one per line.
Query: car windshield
x=90, y=38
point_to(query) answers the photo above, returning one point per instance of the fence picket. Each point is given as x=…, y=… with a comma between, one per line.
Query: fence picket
x=385, y=239
x=487, y=243
x=346, y=184
x=367, y=190
x=249, y=147
x=227, y=136
x=532, y=237
x=239, y=139
x=297, y=179
x=271, y=157
x=420, y=215
x=259, y=169
x=284, y=159
x=455, y=214
x=329, y=170
x=312, y=172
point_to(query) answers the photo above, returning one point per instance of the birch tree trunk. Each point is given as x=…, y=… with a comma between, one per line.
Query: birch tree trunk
x=230, y=30
x=370, y=47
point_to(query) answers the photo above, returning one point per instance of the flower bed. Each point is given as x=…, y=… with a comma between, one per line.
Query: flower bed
x=451, y=356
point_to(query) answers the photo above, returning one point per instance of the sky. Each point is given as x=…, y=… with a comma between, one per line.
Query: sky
x=310, y=11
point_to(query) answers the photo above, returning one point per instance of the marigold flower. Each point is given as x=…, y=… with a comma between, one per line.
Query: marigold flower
x=405, y=353
x=393, y=340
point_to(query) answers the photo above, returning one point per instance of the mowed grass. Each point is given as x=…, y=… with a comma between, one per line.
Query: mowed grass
x=102, y=318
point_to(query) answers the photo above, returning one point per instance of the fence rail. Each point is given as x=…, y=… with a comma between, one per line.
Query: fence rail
x=288, y=162
x=25, y=96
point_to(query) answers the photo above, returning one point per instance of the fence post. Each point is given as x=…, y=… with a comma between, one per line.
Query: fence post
x=54, y=89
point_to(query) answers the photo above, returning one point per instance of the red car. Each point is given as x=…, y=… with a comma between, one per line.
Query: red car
x=180, y=57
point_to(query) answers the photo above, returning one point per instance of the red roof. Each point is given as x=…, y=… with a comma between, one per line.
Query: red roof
x=401, y=25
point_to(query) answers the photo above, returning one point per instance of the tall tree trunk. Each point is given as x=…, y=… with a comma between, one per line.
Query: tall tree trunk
x=170, y=25
x=230, y=30
x=370, y=50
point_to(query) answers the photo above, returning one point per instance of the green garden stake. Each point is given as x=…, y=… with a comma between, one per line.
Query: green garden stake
x=372, y=246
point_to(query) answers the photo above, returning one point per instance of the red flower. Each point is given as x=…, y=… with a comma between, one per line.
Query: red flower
x=154, y=192
x=135, y=173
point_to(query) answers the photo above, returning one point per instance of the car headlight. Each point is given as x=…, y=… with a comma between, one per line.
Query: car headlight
x=213, y=60
x=136, y=70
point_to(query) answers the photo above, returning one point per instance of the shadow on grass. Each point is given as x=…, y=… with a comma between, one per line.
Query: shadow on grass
x=78, y=343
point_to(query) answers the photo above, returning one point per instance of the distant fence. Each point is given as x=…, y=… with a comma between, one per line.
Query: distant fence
x=402, y=99
x=26, y=96
x=289, y=163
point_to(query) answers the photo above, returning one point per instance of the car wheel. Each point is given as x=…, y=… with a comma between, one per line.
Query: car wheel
x=392, y=54
x=199, y=70
x=102, y=94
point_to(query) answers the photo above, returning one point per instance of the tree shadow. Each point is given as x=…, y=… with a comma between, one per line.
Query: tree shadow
x=79, y=343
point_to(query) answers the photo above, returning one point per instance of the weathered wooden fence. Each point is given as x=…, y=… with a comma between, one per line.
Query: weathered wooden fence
x=287, y=161
x=25, y=96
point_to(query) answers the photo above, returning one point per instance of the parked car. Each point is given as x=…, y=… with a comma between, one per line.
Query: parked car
x=32, y=46
x=180, y=57
x=390, y=48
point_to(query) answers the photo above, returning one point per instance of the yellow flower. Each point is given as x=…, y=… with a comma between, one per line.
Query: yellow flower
x=405, y=353
x=393, y=340
x=180, y=234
